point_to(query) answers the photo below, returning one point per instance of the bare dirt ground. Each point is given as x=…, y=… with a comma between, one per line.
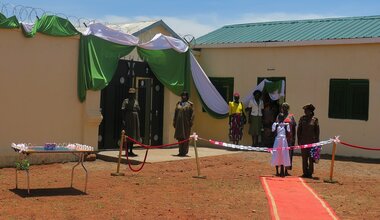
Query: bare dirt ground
x=167, y=190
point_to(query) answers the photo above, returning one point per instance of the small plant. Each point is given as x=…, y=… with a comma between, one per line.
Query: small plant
x=23, y=165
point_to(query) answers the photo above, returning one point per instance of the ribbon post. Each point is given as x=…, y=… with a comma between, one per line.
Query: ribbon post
x=332, y=163
x=195, y=137
x=122, y=138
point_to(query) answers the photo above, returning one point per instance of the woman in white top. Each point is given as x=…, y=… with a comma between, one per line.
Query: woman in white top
x=255, y=107
x=280, y=156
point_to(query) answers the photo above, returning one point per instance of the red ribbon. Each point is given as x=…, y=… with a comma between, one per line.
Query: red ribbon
x=147, y=147
x=360, y=147
x=156, y=146
x=129, y=162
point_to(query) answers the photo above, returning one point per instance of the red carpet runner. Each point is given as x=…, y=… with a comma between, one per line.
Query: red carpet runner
x=292, y=198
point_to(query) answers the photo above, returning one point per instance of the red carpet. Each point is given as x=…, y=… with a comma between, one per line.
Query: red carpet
x=292, y=198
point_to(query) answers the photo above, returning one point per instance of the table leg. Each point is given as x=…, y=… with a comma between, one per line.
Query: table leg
x=18, y=158
x=16, y=179
x=27, y=175
x=82, y=160
x=72, y=170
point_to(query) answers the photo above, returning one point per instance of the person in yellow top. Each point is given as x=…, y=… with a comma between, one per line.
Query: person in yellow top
x=237, y=119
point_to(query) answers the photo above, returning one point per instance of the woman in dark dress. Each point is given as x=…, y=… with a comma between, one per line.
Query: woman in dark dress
x=182, y=122
x=269, y=118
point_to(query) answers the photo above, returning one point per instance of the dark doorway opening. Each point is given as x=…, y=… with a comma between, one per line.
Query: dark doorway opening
x=150, y=95
x=270, y=112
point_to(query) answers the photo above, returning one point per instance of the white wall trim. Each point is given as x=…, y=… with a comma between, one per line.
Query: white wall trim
x=294, y=43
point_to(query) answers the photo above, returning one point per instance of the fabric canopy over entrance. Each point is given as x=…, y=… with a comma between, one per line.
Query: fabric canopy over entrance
x=101, y=47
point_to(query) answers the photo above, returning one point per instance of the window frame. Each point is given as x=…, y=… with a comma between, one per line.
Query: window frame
x=227, y=82
x=218, y=81
x=349, y=99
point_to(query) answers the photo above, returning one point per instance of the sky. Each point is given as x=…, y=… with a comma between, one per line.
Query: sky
x=196, y=17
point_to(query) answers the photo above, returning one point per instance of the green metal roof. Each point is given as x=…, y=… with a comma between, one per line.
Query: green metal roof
x=293, y=31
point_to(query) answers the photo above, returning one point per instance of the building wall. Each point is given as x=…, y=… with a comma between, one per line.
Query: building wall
x=308, y=70
x=170, y=102
x=149, y=34
x=38, y=94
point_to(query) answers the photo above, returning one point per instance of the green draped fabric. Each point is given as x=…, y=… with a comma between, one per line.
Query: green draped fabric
x=170, y=67
x=48, y=24
x=9, y=23
x=54, y=26
x=273, y=86
x=98, y=60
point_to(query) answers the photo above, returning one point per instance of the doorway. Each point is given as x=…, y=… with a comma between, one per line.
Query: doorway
x=150, y=95
x=151, y=98
x=270, y=112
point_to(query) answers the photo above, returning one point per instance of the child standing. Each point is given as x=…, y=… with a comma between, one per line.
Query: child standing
x=280, y=156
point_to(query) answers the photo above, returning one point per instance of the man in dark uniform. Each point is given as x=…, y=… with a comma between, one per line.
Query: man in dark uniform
x=130, y=113
x=308, y=133
x=182, y=122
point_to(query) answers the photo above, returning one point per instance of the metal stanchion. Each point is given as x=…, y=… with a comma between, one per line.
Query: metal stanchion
x=122, y=138
x=332, y=166
x=197, y=158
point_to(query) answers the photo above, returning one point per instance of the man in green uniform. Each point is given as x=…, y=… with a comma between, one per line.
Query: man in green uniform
x=130, y=112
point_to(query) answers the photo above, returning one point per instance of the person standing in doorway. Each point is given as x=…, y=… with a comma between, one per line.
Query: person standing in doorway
x=255, y=107
x=308, y=133
x=268, y=119
x=237, y=119
x=290, y=136
x=131, y=124
x=182, y=122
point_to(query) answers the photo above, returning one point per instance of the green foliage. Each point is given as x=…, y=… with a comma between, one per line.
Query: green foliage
x=23, y=165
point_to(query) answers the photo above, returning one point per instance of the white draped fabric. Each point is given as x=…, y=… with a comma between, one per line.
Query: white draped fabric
x=274, y=96
x=162, y=42
x=206, y=89
x=27, y=27
x=158, y=42
x=111, y=35
x=211, y=96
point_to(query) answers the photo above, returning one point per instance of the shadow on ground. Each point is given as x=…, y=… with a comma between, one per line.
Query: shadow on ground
x=352, y=159
x=123, y=160
x=67, y=191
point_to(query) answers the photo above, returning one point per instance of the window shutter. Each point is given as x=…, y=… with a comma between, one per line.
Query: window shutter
x=338, y=98
x=359, y=99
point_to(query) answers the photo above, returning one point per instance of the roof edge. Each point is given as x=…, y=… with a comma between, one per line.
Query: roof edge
x=327, y=19
x=155, y=24
x=293, y=43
